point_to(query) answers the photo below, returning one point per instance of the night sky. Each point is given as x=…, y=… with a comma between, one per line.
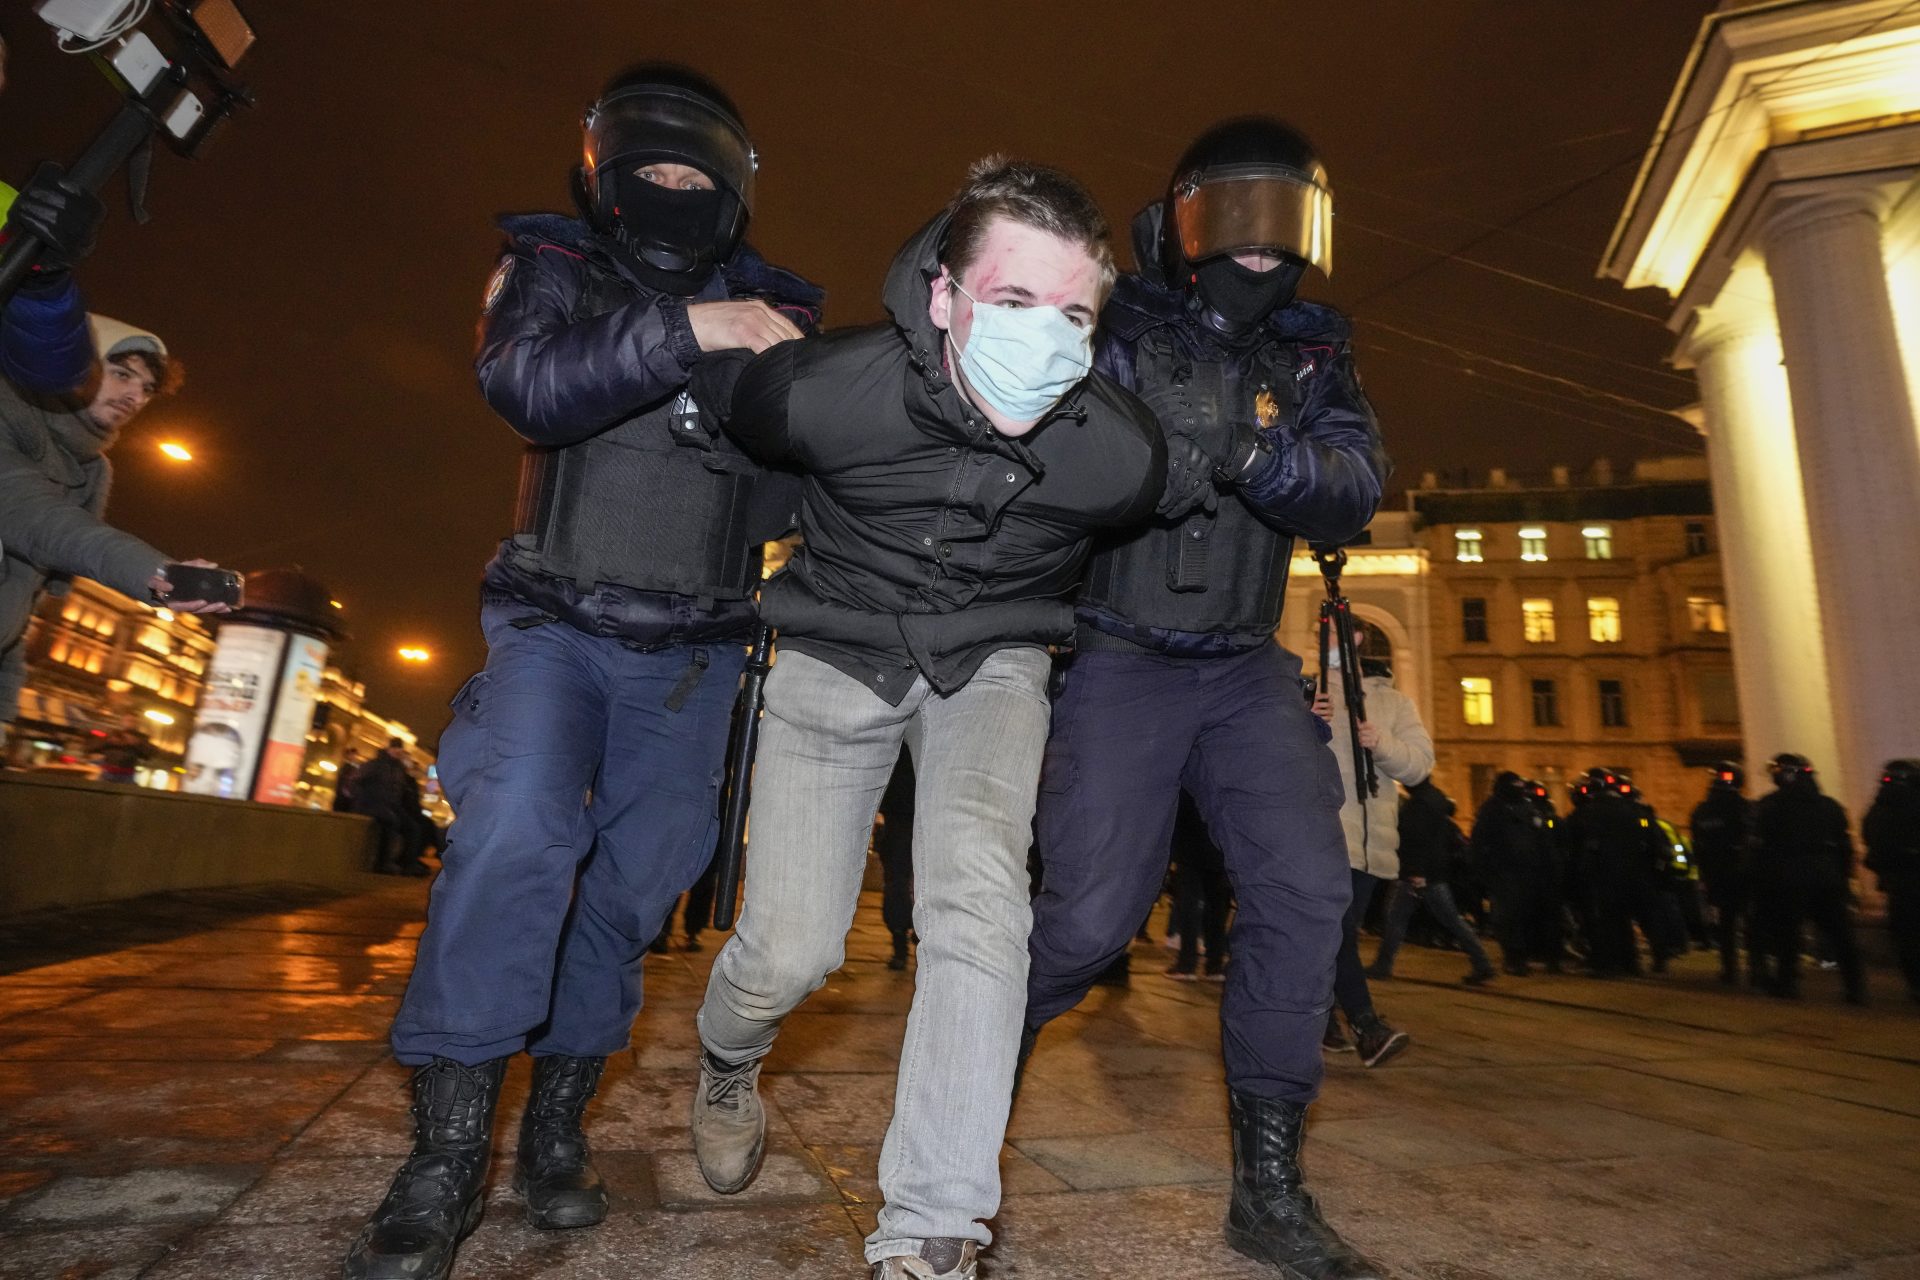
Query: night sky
x=320, y=270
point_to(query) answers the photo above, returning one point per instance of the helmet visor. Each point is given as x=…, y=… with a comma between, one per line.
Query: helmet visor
x=1244, y=208
x=666, y=123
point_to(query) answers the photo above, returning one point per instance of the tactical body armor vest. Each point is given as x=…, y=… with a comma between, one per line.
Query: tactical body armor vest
x=1222, y=573
x=655, y=503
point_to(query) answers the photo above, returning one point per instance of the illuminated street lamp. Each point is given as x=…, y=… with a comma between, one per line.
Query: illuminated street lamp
x=175, y=450
x=159, y=717
x=411, y=653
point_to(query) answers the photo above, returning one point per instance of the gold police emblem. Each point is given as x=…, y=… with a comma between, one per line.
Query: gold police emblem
x=1266, y=408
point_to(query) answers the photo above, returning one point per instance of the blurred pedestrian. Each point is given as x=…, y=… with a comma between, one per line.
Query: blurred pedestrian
x=1202, y=897
x=121, y=756
x=1402, y=752
x=893, y=843
x=1430, y=845
x=382, y=791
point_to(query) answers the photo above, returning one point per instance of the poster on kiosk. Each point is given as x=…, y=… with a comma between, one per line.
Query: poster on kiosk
x=231, y=722
x=285, y=753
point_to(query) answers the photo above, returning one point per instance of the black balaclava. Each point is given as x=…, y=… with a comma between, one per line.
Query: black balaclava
x=650, y=217
x=1240, y=298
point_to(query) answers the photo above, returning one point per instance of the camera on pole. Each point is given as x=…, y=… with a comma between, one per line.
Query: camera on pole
x=173, y=62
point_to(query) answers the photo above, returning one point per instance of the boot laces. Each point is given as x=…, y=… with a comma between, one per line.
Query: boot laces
x=729, y=1090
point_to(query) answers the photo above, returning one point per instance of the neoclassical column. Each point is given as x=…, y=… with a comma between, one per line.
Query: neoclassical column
x=1779, y=652
x=1860, y=467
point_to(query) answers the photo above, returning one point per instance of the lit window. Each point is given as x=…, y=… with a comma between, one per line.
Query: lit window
x=1466, y=546
x=1476, y=699
x=1536, y=617
x=1533, y=543
x=155, y=639
x=1613, y=704
x=1599, y=541
x=1603, y=619
x=1704, y=613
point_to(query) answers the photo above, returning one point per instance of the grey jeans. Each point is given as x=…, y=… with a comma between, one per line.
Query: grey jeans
x=827, y=747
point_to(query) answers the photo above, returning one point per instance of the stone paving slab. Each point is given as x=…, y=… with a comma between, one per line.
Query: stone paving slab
x=197, y=1086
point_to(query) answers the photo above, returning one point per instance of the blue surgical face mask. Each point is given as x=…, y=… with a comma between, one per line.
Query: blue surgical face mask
x=1022, y=360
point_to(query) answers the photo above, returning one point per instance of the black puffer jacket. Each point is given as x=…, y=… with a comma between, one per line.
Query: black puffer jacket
x=931, y=539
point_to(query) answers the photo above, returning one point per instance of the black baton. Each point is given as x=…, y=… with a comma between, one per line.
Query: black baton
x=739, y=790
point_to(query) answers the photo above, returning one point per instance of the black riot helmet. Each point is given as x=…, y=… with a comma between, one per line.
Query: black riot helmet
x=1247, y=185
x=1901, y=773
x=1790, y=769
x=658, y=111
x=1510, y=786
x=1728, y=775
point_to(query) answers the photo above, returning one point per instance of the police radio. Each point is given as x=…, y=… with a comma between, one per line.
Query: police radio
x=173, y=62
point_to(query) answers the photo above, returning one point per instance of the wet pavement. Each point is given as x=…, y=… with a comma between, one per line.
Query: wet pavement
x=196, y=1086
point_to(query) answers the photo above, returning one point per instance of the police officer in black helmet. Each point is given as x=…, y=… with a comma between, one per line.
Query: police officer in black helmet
x=1891, y=831
x=615, y=617
x=1802, y=869
x=1176, y=681
x=1722, y=828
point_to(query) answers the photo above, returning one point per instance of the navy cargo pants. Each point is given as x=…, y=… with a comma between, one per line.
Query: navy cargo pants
x=1129, y=731
x=585, y=780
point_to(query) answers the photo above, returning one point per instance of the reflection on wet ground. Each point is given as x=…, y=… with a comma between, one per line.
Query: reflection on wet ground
x=196, y=1085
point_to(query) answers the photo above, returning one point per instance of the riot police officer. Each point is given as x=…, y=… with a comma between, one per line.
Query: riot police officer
x=1891, y=830
x=1176, y=679
x=1802, y=865
x=1607, y=833
x=1513, y=841
x=614, y=618
x=1722, y=828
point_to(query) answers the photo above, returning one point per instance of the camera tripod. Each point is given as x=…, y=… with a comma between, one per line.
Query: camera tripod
x=1336, y=629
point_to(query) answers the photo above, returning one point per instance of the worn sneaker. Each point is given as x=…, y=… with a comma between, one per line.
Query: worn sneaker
x=1183, y=971
x=1215, y=969
x=944, y=1258
x=1335, y=1040
x=1377, y=1041
x=729, y=1124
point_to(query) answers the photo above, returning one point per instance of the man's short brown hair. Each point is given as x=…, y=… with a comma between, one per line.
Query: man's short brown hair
x=1031, y=194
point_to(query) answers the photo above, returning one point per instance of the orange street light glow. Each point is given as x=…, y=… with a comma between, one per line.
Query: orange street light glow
x=412, y=654
x=177, y=451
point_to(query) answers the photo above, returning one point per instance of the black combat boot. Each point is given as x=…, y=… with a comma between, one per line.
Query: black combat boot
x=555, y=1172
x=437, y=1197
x=1272, y=1218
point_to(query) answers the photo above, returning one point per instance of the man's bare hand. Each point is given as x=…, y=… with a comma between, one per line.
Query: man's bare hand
x=1323, y=705
x=1369, y=736
x=163, y=591
x=728, y=326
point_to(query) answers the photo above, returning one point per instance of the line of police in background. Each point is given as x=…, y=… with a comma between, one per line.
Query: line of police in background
x=1756, y=874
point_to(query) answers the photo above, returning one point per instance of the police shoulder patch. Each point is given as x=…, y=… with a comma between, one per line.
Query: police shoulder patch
x=497, y=284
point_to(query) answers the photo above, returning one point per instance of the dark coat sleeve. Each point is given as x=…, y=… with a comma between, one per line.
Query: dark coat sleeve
x=45, y=345
x=558, y=380
x=750, y=395
x=1324, y=480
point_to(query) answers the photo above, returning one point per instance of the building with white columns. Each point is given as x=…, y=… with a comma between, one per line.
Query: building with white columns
x=1779, y=207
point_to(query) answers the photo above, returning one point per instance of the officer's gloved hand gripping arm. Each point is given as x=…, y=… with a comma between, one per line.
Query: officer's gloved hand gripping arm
x=558, y=381
x=1324, y=481
x=748, y=394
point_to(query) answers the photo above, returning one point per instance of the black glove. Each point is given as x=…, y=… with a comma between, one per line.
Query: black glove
x=1189, y=478
x=63, y=217
x=1247, y=453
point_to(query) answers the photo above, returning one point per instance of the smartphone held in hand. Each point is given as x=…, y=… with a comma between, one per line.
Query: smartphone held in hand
x=215, y=586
